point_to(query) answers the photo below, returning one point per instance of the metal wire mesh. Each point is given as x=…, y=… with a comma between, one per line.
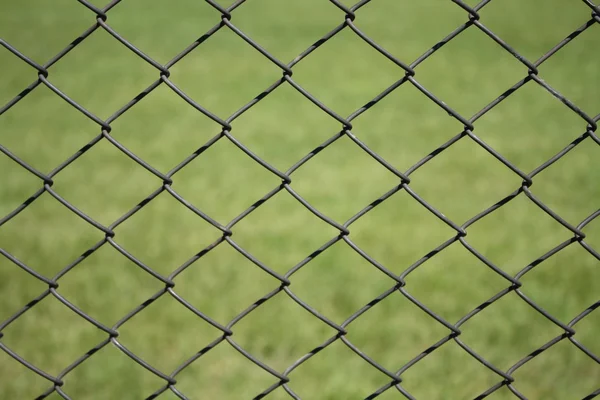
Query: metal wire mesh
x=348, y=16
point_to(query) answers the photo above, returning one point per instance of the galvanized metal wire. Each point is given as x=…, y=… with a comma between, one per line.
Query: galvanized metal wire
x=349, y=17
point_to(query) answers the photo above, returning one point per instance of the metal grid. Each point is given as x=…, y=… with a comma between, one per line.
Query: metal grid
x=348, y=15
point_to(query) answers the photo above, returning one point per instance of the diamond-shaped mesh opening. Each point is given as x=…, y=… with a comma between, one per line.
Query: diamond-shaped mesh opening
x=223, y=271
x=557, y=22
x=105, y=193
x=390, y=232
x=150, y=25
x=18, y=380
x=24, y=128
x=33, y=29
x=568, y=187
x=561, y=372
x=342, y=179
x=394, y=331
x=293, y=234
x=164, y=234
x=107, y=271
x=122, y=76
x=284, y=28
x=393, y=23
x=507, y=331
x=339, y=282
x=355, y=72
x=551, y=284
x=172, y=342
x=463, y=376
x=216, y=73
x=405, y=127
x=305, y=128
x=493, y=235
x=464, y=180
x=583, y=91
x=335, y=372
x=162, y=129
x=280, y=331
x=470, y=71
x=50, y=246
x=223, y=372
x=38, y=333
x=223, y=181
x=109, y=367
x=466, y=283
x=531, y=133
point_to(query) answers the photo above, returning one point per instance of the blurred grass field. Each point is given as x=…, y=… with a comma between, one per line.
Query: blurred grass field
x=225, y=73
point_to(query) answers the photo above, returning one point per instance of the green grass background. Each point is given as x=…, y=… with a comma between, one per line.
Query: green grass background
x=225, y=73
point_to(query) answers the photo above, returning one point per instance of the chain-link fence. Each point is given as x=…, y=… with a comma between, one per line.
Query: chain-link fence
x=349, y=21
